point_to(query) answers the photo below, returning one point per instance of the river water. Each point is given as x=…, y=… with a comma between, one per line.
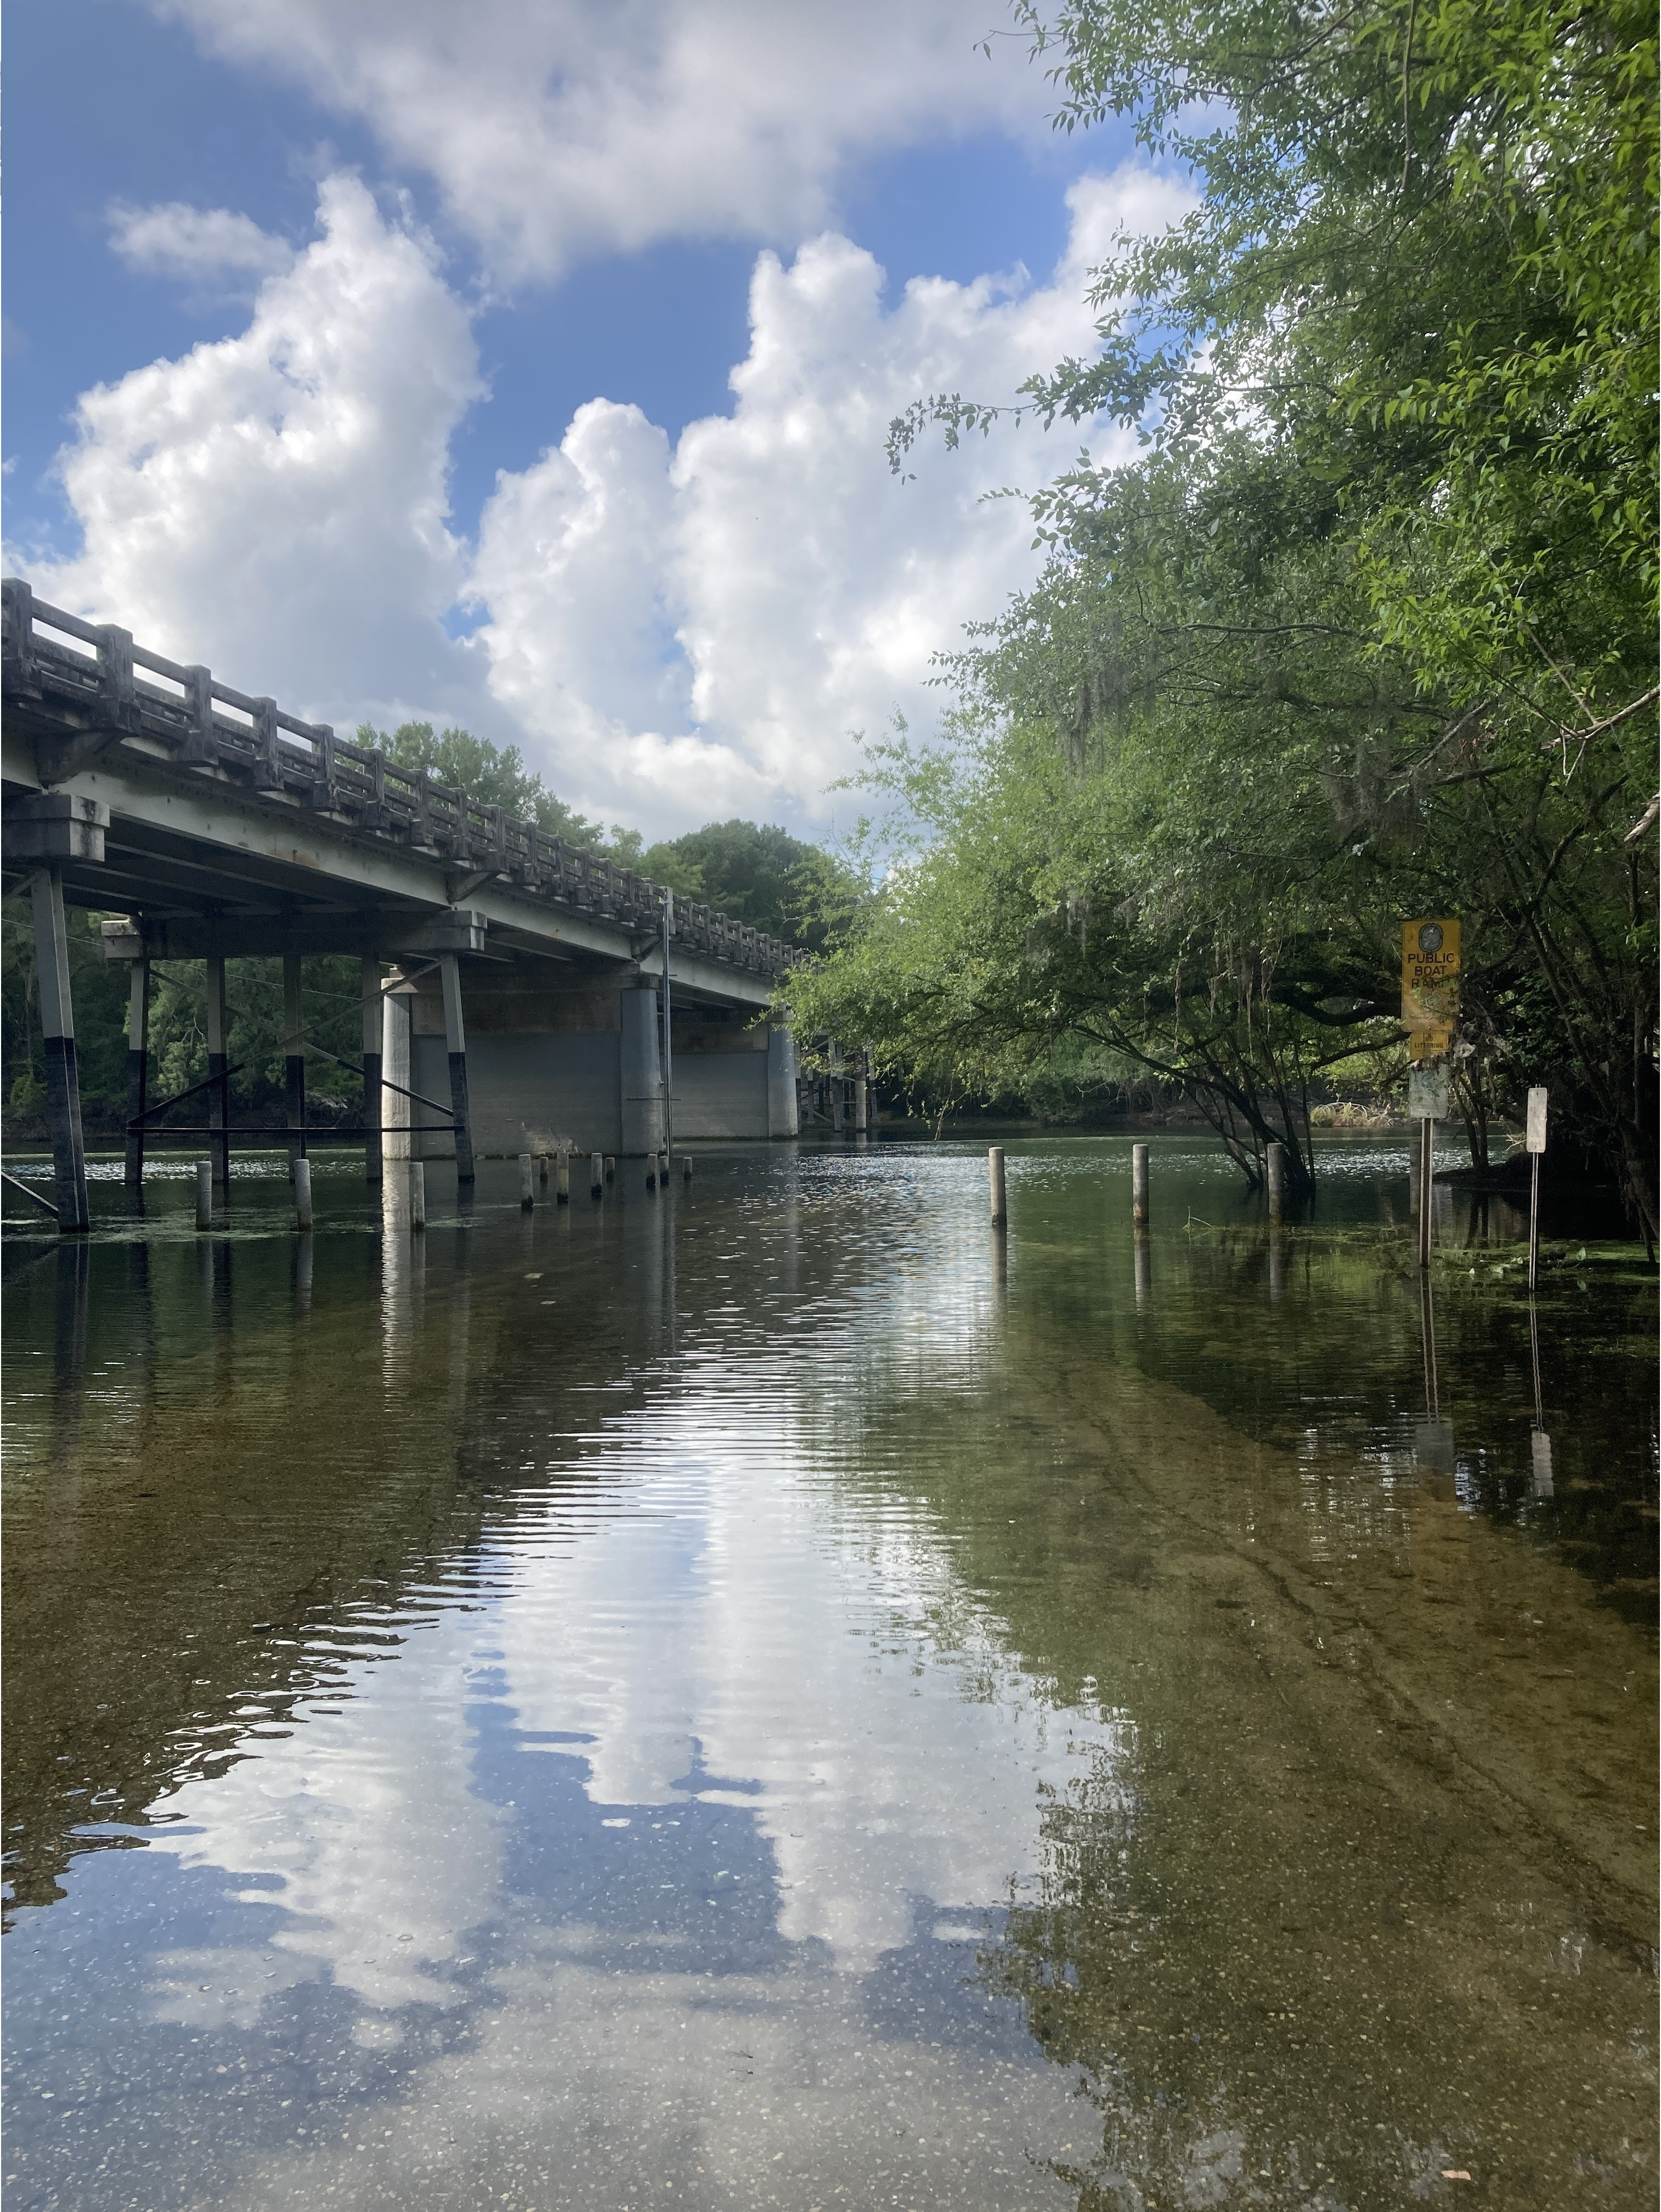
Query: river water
x=772, y=1692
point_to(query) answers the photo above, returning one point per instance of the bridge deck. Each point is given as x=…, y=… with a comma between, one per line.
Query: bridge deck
x=231, y=819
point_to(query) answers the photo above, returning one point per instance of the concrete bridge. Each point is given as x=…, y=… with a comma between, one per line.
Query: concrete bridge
x=518, y=993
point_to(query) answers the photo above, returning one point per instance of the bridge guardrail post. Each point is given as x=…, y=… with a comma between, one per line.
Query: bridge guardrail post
x=19, y=602
x=116, y=696
x=268, y=758
x=200, y=746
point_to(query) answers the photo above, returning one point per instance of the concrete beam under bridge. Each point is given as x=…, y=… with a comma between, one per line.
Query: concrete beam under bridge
x=559, y=1054
x=259, y=888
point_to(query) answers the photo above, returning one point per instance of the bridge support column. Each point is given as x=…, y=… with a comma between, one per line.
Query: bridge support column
x=640, y=1073
x=783, y=1114
x=138, y=1069
x=395, y=1068
x=51, y=957
x=455, y=1038
x=372, y=1025
x=219, y=1062
x=294, y=1046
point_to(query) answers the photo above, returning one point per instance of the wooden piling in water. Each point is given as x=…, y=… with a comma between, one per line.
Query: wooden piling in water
x=1139, y=1185
x=596, y=1174
x=302, y=1193
x=1275, y=1176
x=527, y=1182
x=204, y=1193
x=611, y=1168
x=686, y=1166
x=995, y=1178
x=417, y=1194
x=563, y=1180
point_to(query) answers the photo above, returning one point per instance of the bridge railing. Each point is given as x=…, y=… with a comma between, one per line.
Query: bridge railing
x=204, y=724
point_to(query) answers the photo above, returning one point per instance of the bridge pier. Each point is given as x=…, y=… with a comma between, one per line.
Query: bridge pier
x=52, y=952
x=219, y=1062
x=640, y=1073
x=373, y=1025
x=455, y=1039
x=138, y=1069
x=560, y=1059
x=294, y=1033
x=784, y=1110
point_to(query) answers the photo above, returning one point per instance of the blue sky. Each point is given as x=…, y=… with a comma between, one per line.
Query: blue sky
x=416, y=331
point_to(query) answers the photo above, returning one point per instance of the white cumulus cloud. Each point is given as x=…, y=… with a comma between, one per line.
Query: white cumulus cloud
x=675, y=632
x=560, y=128
x=172, y=240
x=275, y=503
x=771, y=578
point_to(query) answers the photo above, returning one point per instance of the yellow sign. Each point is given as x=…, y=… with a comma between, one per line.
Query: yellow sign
x=1430, y=987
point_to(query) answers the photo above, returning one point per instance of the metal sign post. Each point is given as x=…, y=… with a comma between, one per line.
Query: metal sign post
x=1430, y=1015
x=1427, y=1105
x=1536, y=1145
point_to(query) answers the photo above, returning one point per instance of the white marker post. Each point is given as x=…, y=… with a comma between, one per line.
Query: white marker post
x=1536, y=1145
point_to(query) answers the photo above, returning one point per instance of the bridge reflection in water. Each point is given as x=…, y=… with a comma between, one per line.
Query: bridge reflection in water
x=763, y=1693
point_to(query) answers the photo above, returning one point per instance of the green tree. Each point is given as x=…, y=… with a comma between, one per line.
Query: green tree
x=1426, y=256
x=495, y=775
x=759, y=875
x=1367, y=632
